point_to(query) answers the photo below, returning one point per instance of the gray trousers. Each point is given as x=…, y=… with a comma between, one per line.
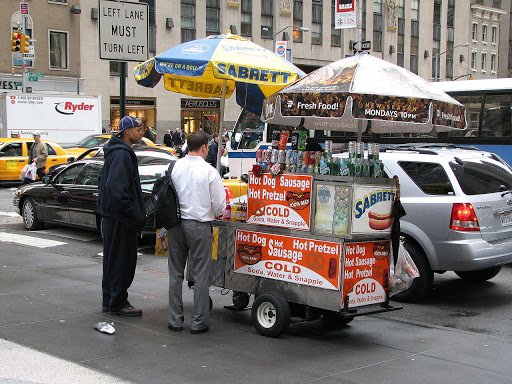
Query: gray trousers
x=193, y=240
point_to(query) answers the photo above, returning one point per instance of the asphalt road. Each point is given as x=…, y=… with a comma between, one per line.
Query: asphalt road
x=50, y=295
x=482, y=308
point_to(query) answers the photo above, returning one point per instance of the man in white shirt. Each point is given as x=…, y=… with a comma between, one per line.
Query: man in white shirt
x=202, y=197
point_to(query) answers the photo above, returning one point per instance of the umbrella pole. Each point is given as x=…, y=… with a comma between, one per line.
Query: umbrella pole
x=220, y=150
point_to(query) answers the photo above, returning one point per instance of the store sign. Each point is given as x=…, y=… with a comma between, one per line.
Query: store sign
x=280, y=201
x=366, y=272
x=123, y=30
x=345, y=14
x=292, y=259
x=281, y=47
x=136, y=102
x=371, y=209
x=200, y=104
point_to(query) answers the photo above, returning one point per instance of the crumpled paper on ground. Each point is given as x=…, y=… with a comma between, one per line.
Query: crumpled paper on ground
x=105, y=327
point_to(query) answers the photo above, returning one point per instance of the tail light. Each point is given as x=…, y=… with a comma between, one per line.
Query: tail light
x=464, y=218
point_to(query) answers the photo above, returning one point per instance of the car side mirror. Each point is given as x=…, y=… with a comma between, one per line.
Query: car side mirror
x=47, y=179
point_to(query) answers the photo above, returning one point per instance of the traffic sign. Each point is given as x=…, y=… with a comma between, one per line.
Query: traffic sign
x=363, y=46
x=123, y=30
x=24, y=8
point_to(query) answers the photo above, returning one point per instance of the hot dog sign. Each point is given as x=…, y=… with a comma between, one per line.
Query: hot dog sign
x=371, y=210
x=292, y=259
x=280, y=201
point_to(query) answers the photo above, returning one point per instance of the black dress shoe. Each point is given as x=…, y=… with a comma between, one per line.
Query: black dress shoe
x=104, y=309
x=198, y=331
x=128, y=311
x=175, y=329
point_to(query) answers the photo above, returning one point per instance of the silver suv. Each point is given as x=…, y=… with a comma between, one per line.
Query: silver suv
x=459, y=211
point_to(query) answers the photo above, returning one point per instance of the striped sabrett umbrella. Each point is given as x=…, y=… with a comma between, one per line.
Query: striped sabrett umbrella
x=217, y=65
x=364, y=88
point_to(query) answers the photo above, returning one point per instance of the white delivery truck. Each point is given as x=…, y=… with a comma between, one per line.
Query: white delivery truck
x=64, y=119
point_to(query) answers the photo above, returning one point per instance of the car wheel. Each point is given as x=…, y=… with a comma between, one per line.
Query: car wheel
x=334, y=320
x=422, y=285
x=270, y=314
x=30, y=219
x=480, y=275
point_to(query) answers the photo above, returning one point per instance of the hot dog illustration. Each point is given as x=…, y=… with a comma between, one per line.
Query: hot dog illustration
x=249, y=254
x=379, y=221
x=298, y=200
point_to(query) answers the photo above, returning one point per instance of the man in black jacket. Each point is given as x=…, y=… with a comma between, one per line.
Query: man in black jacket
x=121, y=206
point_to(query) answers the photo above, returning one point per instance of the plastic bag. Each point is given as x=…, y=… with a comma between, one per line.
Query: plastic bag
x=31, y=173
x=24, y=172
x=402, y=275
x=162, y=242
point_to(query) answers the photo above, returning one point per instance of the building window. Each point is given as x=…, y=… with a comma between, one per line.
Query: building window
x=188, y=20
x=151, y=26
x=58, y=50
x=484, y=62
x=267, y=19
x=115, y=68
x=377, y=25
x=473, y=61
x=496, y=4
x=450, y=17
x=494, y=34
x=493, y=63
x=212, y=17
x=484, y=34
x=474, y=31
x=298, y=11
x=246, y=21
x=415, y=10
x=415, y=34
x=316, y=22
x=400, y=49
x=335, y=33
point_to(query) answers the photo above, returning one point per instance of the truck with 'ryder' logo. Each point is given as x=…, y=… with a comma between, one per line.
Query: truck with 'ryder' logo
x=64, y=119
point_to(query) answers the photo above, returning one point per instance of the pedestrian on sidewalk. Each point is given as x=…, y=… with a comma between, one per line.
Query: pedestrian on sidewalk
x=38, y=154
x=201, y=196
x=168, y=139
x=121, y=206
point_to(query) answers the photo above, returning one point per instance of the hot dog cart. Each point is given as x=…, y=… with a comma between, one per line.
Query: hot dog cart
x=311, y=246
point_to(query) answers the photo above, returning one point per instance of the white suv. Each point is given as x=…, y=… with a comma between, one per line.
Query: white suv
x=459, y=211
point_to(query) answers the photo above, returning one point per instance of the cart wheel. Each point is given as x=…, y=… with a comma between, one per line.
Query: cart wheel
x=211, y=302
x=240, y=300
x=335, y=320
x=270, y=314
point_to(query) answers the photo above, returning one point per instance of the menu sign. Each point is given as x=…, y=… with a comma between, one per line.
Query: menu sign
x=296, y=260
x=280, y=201
x=371, y=209
x=366, y=272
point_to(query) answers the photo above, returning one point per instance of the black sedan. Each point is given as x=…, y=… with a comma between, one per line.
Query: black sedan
x=69, y=195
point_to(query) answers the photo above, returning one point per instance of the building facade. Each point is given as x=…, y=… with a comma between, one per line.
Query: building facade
x=434, y=38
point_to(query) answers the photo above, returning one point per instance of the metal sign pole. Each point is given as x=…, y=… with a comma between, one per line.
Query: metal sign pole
x=360, y=44
x=122, y=89
x=23, y=64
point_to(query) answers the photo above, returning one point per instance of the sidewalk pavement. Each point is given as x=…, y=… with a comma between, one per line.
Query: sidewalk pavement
x=50, y=302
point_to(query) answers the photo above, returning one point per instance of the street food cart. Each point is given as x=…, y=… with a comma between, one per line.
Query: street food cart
x=311, y=246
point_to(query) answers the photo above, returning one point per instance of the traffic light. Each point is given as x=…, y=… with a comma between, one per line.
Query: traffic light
x=16, y=41
x=25, y=43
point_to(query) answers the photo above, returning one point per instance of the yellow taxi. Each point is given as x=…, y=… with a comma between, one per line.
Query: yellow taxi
x=14, y=155
x=101, y=139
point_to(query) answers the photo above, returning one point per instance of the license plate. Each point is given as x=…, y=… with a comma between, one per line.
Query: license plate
x=506, y=220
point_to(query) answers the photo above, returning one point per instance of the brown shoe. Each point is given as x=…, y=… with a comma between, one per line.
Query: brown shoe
x=128, y=311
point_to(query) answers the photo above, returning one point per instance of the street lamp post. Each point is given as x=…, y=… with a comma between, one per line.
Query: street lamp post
x=302, y=29
x=438, y=60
